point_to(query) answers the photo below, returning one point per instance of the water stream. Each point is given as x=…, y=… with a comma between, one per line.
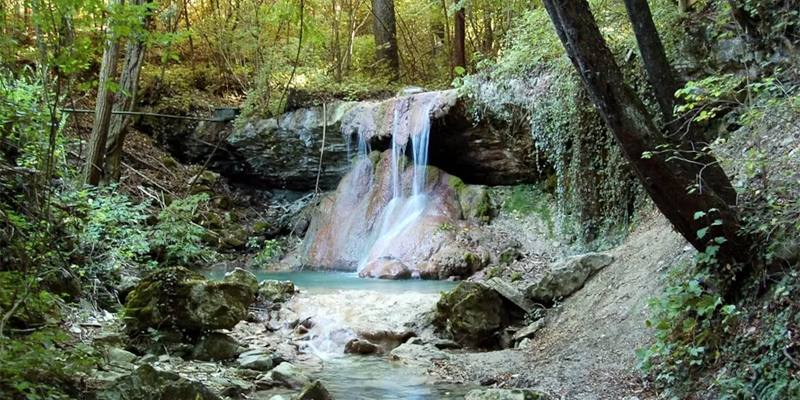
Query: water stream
x=340, y=303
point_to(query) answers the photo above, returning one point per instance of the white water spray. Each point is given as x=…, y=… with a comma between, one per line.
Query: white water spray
x=411, y=122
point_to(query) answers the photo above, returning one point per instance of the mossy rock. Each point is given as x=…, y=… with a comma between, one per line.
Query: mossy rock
x=475, y=200
x=178, y=298
x=243, y=277
x=260, y=228
x=216, y=346
x=273, y=291
x=148, y=383
x=472, y=314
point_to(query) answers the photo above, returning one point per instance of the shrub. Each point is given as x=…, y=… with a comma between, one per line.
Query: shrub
x=178, y=236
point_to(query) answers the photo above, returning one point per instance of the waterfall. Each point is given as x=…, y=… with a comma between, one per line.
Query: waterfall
x=411, y=123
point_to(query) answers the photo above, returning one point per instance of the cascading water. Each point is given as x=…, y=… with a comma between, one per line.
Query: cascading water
x=386, y=218
x=404, y=209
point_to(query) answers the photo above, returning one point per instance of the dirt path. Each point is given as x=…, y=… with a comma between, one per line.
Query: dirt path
x=587, y=349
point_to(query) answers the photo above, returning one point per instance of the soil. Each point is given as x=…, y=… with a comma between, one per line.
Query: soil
x=587, y=348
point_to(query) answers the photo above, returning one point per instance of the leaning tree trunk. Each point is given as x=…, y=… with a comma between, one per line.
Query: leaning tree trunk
x=102, y=114
x=384, y=28
x=665, y=180
x=124, y=101
x=659, y=72
x=459, y=39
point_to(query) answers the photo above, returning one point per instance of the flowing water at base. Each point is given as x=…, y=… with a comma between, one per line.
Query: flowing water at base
x=372, y=378
x=363, y=377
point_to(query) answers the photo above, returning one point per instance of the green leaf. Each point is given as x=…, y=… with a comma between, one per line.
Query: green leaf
x=699, y=214
x=701, y=233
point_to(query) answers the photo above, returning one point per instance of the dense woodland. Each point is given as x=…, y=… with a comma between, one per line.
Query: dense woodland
x=688, y=107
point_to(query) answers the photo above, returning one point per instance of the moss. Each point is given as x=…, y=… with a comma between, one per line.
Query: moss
x=375, y=158
x=456, y=184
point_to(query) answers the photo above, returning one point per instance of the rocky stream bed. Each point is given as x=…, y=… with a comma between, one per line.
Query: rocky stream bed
x=322, y=335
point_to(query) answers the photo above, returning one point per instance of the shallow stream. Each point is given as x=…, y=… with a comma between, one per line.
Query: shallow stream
x=355, y=376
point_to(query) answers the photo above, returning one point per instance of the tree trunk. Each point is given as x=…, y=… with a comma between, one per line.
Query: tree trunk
x=659, y=72
x=662, y=80
x=665, y=180
x=102, y=114
x=459, y=39
x=125, y=100
x=384, y=28
x=488, y=33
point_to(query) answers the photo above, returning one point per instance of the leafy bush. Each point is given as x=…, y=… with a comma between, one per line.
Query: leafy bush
x=271, y=249
x=43, y=366
x=178, y=236
x=113, y=231
x=690, y=323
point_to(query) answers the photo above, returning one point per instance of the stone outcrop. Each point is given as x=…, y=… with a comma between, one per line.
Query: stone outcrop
x=566, y=277
x=272, y=291
x=284, y=152
x=181, y=299
x=148, y=383
x=473, y=315
x=347, y=229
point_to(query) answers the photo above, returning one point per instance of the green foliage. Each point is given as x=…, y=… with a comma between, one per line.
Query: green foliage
x=179, y=237
x=43, y=366
x=23, y=119
x=530, y=199
x=532, y=82
x=25, y=302
x=690, y=323
x=113, y=234
x=760, y=357
x=270, y=250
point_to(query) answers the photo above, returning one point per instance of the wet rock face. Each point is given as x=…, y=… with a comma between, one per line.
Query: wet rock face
x=361, y=224
x=181, y=299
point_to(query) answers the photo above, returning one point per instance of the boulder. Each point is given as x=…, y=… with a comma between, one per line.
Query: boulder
x=178, y=298
x=314, y=391
x=361, y=346
x=453, y=260
x=216, y=346
x=528, y=331
x=473, y=315
x=272, y=291
x=385, y=268
x=242, y=277
x=148, y=383
x=417, y=354
x=476, y=203
x=510, y=293
x=257, y=359
x=120, y=356
x=566, y=277
x=284, y=375
x=506, y=394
